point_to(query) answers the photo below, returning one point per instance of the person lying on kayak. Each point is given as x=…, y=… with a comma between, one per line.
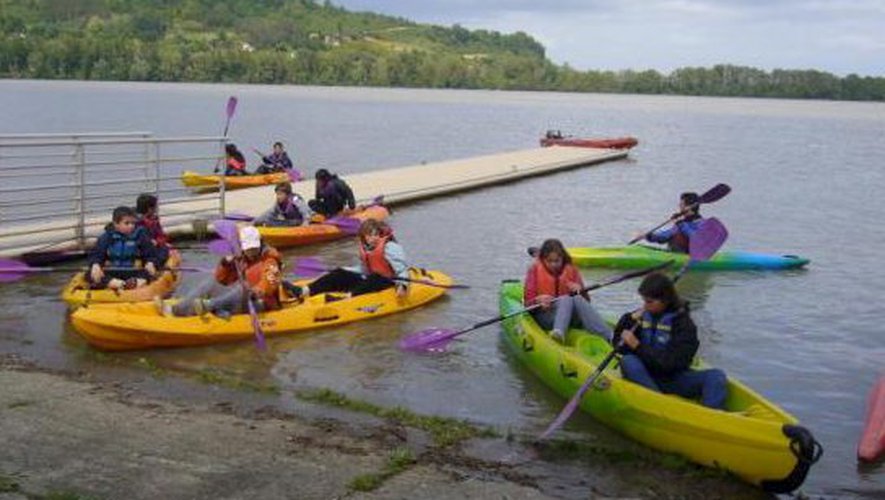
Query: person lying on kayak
x=381, y=258
x=553, y=281
x=234, y=161
x=659, y=355
x=332, y=194
x=278, y=161
x=120, y=247
x=289, y=209
x=223, y=294
x=148, y=221
x=686, y=222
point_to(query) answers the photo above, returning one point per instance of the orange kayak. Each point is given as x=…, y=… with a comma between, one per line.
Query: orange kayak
x=872, y=441
x=616, y=143
x=210, y=182
x=317, y=232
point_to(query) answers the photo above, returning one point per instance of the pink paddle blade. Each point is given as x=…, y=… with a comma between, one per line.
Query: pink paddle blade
x=708, y=239
x=429, y=340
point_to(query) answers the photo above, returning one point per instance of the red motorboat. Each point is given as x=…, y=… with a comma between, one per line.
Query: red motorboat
x=872, y=441
x=555, y=138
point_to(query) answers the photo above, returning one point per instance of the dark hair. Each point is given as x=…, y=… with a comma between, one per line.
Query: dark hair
x=278, y=143
x=145, y=202
x=121, y=212
x=283, y=187
x=322, y=175
x=658, y=286
x=554, y=246
x=690, y=198
x=232, y=151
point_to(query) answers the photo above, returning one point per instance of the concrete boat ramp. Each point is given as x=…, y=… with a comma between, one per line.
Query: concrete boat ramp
x=397, y=185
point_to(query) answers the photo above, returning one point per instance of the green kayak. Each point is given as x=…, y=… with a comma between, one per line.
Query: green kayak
x=638, y=256
x=754, y=439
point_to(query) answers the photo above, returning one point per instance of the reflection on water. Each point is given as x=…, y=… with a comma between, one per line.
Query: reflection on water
x=808, y=340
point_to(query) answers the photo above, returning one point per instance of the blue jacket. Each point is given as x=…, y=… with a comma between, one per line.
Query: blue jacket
x=277, y=162
x=119, y=250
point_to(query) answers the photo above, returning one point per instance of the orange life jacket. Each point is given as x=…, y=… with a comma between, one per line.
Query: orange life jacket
x=374, y=260
x=234, y=164
x=548, y=284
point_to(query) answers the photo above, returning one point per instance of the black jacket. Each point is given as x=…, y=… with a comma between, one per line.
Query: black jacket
x=678, y=353
x=332, y=197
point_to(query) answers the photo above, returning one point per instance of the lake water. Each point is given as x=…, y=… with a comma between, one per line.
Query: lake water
x=807, y=179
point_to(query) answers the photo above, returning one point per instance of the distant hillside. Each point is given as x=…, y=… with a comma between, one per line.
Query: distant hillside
x=304, y=42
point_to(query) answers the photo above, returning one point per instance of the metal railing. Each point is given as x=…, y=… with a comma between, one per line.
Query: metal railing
x=58, y=190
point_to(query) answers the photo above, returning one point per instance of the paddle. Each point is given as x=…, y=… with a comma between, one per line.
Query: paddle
x=309, y=267
x=715, y=193
x=436, y=339
x=705, y=242
x=228, y=231
x=14, y=270
x=230, y=110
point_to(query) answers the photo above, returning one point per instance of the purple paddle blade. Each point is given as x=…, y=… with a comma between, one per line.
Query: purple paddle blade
x=429, y=340
x=347, y=225
x=231, y=106
x=220, y=247
x=309, y=267
x=715, y=193
x=294, y=174
x=708, y=239
x=237, y=216
x=227, y=230
x=572, y=405
x=13, y=270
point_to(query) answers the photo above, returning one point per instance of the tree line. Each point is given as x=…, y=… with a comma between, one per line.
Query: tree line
x=306, y=42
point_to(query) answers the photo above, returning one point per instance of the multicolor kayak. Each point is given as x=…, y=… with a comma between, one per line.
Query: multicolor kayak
x=754, y=439
x=638, y=256
x=317, y=232
x=201, y=182
x=117, y=327
x=78, y=293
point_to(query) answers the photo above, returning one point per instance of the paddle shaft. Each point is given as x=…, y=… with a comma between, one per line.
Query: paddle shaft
x=713, y=194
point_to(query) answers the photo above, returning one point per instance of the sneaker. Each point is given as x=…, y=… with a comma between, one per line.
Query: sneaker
x=116, y=284
x=557, y=335
x=163, y=308
x=201, y=306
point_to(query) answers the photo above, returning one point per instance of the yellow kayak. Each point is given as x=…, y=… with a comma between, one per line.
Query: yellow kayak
x=78, y=293
x=210, y=182
x=754, y=438
x=116, y=327
x=316, y=232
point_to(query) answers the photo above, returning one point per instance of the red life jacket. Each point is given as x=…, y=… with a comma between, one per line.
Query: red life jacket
x=374, y=260
x=548, y=284
x=234, y=164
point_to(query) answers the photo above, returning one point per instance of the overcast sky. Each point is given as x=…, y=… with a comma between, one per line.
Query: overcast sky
x=838, y=36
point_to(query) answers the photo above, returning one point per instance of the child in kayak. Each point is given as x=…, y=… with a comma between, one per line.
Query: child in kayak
x=332, y=194
x=120, y=247
x=234, y=161
x=659, y=355
x=289, y=209
x=554, y=282
x=148, y=221
x=278, y=161
x=224, y=295
x=381, y=260
x=685, y=223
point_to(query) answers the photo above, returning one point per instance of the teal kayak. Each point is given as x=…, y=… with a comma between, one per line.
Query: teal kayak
x=638, y=256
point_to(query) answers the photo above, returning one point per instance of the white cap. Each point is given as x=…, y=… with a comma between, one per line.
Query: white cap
x=249, y=238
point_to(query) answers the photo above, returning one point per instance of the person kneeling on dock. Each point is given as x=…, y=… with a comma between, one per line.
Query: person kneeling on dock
x=332, y=194
x=223, y=295
x=289, y=210
x=119, y=248
x=659, y=355
x=382, y=260
x=554, y=282
x=685, y=222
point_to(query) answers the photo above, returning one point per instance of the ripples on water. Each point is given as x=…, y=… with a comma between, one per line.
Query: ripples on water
x=806, y=178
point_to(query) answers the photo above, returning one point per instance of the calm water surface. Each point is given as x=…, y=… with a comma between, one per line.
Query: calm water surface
x=807, y=178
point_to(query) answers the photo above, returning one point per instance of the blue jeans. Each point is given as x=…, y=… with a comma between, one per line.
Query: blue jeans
x=711, y=385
